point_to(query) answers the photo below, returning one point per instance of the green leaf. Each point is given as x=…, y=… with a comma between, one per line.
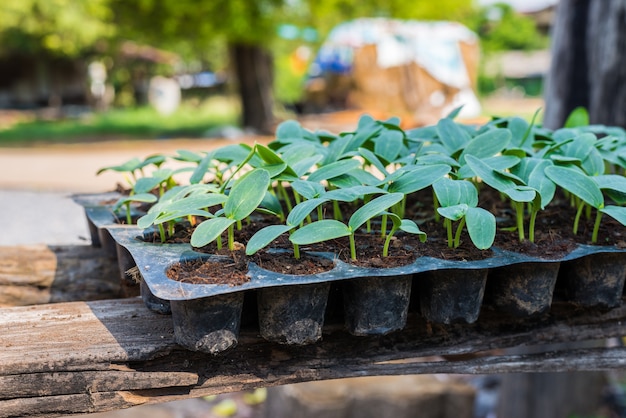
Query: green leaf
x=432, y=159
x=196, y=201
x=411, y=227
x=614, y=186
x=170, y=216
x=127, y=167
x=299, y=212
x=209, y=230
x=319, y=231
x=246, y=194
x=488, y=174
x=576, y=183
x=201, y=170
x=487, y=144
x=335, y=169
x=141, y=197
x=288, y=130
x=418, y=177
x=188, y=156
x=373, y=208
x=148, y=219
x=451, y=135
x=371, y=158
x=304, y=166
x=594, y=163
x=500, y=162
x=265, y=236
x=538, y=180
x=389, y=144
x=350, y=194
x=611, y=181
x=336, y=149
x=521, y=193
x=481, y=226
x=274, y=164
x=146, y=184
x=271, y=203
x=452, y=192
x=501, y=181
x=454, y=212
x=519, y=129
x=616, y=212
x=308, y=189
x=578, y=117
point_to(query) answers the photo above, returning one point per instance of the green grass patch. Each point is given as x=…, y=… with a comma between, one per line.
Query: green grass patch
x=131, y=123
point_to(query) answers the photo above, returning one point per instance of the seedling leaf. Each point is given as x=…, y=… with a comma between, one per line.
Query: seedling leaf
x=373, y=208
x=209, y=230
x=319, y=231
x=481, y=226
x=616, y=212
x=265, y=236
x=246, y=194
x=576, y=183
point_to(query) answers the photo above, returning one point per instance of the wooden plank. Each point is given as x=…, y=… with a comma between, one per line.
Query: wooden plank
x=78, y=357
x=36, y=274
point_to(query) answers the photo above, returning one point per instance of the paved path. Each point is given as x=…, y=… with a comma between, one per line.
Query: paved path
x=36, y=184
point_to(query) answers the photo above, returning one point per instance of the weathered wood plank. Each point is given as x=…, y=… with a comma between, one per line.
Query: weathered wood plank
x=78, y=334
x=93, y=401
x=36, y=274
x=78, y=357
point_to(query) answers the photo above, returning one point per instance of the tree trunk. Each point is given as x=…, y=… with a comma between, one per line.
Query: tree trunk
x=254, y=72
x=588, y=62
x=588, y=69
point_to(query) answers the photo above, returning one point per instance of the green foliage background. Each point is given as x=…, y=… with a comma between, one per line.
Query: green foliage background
x=199, y=31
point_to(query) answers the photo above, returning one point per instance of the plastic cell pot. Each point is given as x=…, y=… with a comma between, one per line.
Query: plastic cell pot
x=522, y=290
x=376, y=305
x=209, y=325
x=593, y=281
x=452, y=295
x=293, y=315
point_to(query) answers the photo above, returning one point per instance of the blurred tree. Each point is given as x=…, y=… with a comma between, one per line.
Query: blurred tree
x=501, y=28
x=247, y=27
x=242, y=32
x=57, y=27
x=326, y=14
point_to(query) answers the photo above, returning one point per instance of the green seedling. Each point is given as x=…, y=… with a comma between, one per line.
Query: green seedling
x=509, y=185
x=134, y=167
x=328, y=229
x=126, y=202
x=245, y=196
x=188, y=202
x=316, y=197
x=298, y=214
x=458, y=200
x=532, y=171
x=588, y=191
x=399, y=224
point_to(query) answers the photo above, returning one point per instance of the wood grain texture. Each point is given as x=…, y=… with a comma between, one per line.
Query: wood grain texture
x=78, y=357
x=36, y=274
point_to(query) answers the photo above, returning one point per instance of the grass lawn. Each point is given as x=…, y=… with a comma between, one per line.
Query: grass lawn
x=129, y=123
x=189, y=121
